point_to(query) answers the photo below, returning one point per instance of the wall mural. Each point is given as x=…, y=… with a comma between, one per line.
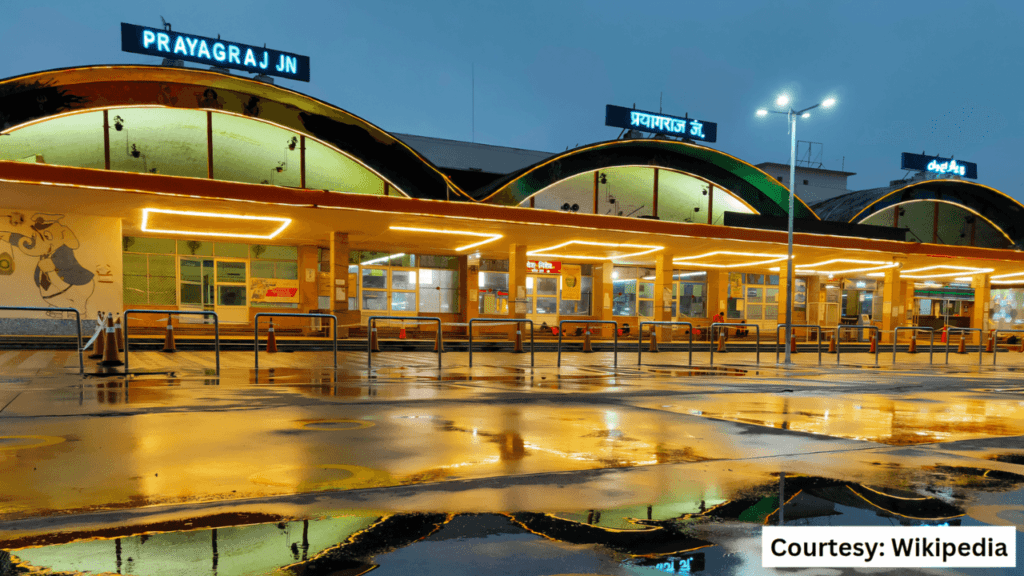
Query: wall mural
x=44, y=248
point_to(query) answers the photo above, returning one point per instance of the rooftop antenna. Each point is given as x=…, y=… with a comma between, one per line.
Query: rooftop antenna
x=167, y=25
x=172, y=62
x=660, y=97
x=472, y=89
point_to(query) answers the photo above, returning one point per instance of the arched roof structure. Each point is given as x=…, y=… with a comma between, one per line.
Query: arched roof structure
x=752, y=185
x=41, y=96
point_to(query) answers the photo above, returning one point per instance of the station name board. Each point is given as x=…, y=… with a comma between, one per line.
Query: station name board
x=213, y=51
x=654, y=123
x=543, y=267
x=939, y=165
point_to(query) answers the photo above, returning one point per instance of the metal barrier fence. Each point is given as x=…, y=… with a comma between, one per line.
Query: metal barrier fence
x=499, y=321
x=757, y=341
x=995, y=342
x=640, y=339
x=781, y=327
x=981, y=338
x=78, y=324
x=896, y=339
x=256, y=331
x=216, y=329
x=370, y=327
x=839, y=340
x=615, y=333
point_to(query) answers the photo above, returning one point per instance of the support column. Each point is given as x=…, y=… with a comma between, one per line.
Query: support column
x=982, y=285
x=516, y=281
x=339, y=279
x=663, y=293
x=814, y=310
x=603, y=295
x=309, y=271
x=718, y=292
x=892, y=304
x=469, y=288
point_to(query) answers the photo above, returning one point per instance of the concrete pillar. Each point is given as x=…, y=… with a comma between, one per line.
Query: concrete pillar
x=718, y=292
x=982, y=285
x=892, y=304
x=603, y=295
x=814, y=311
x=339, y=280
x=469, y=288
x=309, y=271
x=663, y=293
x=516, y=281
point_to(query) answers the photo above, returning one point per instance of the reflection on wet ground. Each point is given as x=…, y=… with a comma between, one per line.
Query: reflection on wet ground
x=714, y=538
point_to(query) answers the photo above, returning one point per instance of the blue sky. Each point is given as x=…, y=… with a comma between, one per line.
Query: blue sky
x=940, y=77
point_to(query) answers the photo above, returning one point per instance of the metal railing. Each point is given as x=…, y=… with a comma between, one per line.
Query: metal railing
x=78, y=324
x=500, y=321
x=757, y=341
x=839, y=340
x=896, y=339
x=640, y=339
x=981, y=340
x=216, y=330
x=615, y=333
x=781, y=327
x=995, y=343
x=370, y=327
x=256, y=331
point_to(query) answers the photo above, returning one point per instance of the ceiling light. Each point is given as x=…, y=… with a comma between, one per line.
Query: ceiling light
x=869, y=266
x=768, y=259
x=148, y=226
x=643, y=250
x=957, y=271
x=490, y=237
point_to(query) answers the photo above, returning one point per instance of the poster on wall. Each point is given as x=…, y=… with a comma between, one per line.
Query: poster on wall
x=800, y=293
x=275, y=291
x=51, y=260
x=572, y=279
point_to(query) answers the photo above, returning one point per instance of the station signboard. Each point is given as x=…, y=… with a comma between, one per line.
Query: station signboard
x=214, y=52
x=938, y=165
x=656, y=123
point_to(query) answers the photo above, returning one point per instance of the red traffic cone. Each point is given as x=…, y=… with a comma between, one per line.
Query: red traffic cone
x=962, y=347
x=913, y=343
x=991, y=341
x=519, y=341
x=832, y=344
x=374, y=345
x=110, y=355
x=586, y=342
x=119, y=334
x=792, y=343
x=97, y=347
x=401, y=333
x=653, y=347
x=169, y=337
x=721, y=342
x=874, y=344
x=271, y=339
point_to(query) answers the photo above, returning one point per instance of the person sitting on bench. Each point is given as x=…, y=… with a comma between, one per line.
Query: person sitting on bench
x=625, y=329
x=579, y=331
x=742, y=332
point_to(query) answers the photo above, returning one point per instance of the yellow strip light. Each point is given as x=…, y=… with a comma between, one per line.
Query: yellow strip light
x=644, y=250
x=1008, y=277
x=770, y=259
x=959, y=271
x=873, y=265
x=147, y=211
x=489, y=237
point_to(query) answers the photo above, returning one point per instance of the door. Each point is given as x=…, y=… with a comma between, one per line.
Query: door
x=196, y=288
x=542, y=299
x=232, y=290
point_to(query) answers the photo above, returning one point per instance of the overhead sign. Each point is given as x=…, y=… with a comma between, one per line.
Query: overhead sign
x=213, y=51
x=939, y=165
x=691, y=128
x=543, y=267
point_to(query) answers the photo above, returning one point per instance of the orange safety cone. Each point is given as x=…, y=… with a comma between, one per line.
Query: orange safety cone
x=97, y=347
x=1021, y=347
x=118, y=334
x=401, y=333
x=874, y=344
x=832, y=344
x=271, y=339
x=962, y=347
x=792, y=343
x=438, y=343
x=374, y=345
x=721, y=342
x=913, y=343
x=991, y=341
x=110, y=355
x=654, y=342
x=519, y=341
x=169, y=345
x=586, y=342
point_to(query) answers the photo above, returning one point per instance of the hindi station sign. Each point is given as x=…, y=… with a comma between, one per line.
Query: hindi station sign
x=655, y=123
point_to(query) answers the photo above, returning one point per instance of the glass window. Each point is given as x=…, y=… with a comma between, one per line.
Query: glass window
x=646, y=290
x=753, y=312
x=624, y=298
x=771, y=295
x=136, y=289
x=375, y=278
x=755, y=294
x=262, y=269
x=327, y=169
x=435, y=261
x=230, y=295
x=579, y=307
x=439, y=291
x=493, y=288
x=547, y=286
x=247, y=150
x=403, y=301
x=494, y=281
x=773, y=280
x=755, y=279
x=195, y=248
x=287, y=270
x=264, y=252
x=547, y=305
x=230, y=250
x=158, y=140
x=771, y=312
x=374, y=300
x=231, y=272
x=403, y=280
x=52, y=140
x=148, y=245
x=494, y=265
x=191, y=293
x=645, y=308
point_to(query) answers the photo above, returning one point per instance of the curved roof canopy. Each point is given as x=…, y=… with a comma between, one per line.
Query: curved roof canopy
x=756, y=188
x=1002, y=212
x=36, y=97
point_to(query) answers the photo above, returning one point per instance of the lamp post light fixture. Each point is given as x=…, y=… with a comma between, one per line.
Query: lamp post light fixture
x=792, y=114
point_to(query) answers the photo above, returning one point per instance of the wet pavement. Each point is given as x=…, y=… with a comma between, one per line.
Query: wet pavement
x=583, y=469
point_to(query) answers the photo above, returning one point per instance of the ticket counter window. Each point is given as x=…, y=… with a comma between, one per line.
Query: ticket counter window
x=493, y=288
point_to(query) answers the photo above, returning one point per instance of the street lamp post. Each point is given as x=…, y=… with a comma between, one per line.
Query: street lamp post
x=792, y=115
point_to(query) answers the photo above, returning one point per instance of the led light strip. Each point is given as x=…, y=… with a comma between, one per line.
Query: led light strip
x=772, y=258
x=147, y=211
x=489, y=237
x=960, y=270
x=543, y=251
x=874, y=265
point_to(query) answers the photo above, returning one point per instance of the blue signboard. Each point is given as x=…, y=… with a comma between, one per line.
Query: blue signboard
x=939, y=165
x=691, y=128
x=213, y=51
